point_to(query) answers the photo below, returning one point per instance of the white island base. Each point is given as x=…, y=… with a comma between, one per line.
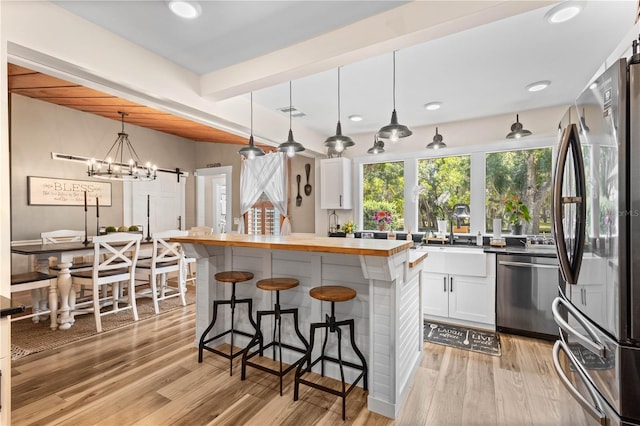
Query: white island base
x=387, y=308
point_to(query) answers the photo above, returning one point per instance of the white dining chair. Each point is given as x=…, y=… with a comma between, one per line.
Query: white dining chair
x=114, y=262
x=39, y=296
x=62, y=236
x=166, y=258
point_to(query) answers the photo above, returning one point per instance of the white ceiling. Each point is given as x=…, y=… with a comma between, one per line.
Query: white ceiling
x=479, y=72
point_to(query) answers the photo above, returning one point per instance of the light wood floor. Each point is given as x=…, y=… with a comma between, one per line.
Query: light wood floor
x=148, y=374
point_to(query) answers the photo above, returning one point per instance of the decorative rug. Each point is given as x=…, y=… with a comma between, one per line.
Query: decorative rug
x=486, y=342
x=29, y=338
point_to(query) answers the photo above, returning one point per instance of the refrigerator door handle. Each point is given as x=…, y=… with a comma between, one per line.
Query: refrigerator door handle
x=594, y=344
x=594, y=409
x=570, y=268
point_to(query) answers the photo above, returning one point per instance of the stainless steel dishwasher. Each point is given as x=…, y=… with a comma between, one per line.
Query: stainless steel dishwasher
x=525, y=288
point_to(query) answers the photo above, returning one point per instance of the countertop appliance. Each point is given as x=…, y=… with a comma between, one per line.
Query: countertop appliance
x=596, y=204
x=525, y=289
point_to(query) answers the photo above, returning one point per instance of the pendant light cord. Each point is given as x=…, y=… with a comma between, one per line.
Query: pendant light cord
x=122, y=115
x=394, y=80
x=251, y=113
x=290, y=104
x=338, y=94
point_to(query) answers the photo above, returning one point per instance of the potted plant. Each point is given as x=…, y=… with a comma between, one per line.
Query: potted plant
x=350, y=228
x=516, y=211
x=383, y=218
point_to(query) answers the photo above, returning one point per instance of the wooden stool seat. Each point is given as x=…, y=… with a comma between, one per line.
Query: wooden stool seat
x=332, y=293
x=276, y=284
x=233, y=276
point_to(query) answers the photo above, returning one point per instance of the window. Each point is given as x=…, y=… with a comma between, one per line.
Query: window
x=525, y=174
x=263, y=218
x=383, y=191
x=442, y=183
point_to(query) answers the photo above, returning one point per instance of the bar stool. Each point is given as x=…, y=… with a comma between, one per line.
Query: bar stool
x=333, y=294
x=232, y=277
x=274, y=284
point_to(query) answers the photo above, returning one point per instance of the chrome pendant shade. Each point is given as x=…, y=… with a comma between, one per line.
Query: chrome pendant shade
x=115, y=167
x=517, y=131
x=378, y=146
x=290, y=147
x=394, y=131
x=437, y=141
x=338, y=142
x=251, y=151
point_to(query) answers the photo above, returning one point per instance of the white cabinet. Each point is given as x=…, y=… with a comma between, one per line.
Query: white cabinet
x=335, y=185
x=459, y=286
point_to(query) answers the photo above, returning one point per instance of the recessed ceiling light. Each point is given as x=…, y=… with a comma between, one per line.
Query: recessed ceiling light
x=538, y=86
x=355, y=117
x=185, y=9
x=432, y=106
x=564, y=11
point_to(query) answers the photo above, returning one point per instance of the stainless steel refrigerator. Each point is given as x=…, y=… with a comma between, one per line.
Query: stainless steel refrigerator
x=596, y=205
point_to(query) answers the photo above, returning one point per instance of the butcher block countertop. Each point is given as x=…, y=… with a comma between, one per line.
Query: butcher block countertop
x=305, y=242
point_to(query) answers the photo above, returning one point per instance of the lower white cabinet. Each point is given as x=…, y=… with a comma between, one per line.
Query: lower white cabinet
x=458, y=296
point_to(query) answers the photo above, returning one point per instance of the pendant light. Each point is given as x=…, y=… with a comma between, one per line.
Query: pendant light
x=116, y=167
x=378, y=146
x=394, y=131
x=517, y=131
x=437, y=141
x=290, y=147
x=250, y=151
x=338, y=142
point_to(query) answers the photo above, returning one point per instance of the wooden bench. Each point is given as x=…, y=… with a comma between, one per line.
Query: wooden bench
x=36, y=280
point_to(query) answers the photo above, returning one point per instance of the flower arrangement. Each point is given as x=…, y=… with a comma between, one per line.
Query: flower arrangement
x=349, y=227
x=382, y=217
x=515, y=210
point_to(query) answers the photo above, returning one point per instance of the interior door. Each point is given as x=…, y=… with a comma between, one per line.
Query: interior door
x=213, y=198
x=161, y=200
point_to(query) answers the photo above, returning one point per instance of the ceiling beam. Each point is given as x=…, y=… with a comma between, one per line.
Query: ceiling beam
x=404, y=26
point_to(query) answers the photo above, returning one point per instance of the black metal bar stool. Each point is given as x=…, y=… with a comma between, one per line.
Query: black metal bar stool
x=232, y=277
x=274, y=284
x=333, y=294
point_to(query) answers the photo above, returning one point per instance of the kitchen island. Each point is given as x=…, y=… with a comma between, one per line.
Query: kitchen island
x=387, y=309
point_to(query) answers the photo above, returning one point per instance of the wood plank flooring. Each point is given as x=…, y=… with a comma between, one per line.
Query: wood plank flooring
x=148, y=374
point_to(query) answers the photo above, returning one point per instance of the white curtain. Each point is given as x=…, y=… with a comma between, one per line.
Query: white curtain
x=264, y=174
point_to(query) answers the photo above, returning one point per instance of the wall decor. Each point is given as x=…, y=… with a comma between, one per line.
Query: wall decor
x=47, y=191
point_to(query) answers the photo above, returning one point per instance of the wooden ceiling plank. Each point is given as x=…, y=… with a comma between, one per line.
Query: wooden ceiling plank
x=37, y=81
x=25, y=82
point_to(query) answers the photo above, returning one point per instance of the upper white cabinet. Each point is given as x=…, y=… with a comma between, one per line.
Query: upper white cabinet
x=335, y=185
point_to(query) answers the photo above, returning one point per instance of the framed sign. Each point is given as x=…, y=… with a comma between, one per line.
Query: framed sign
x=44, y=191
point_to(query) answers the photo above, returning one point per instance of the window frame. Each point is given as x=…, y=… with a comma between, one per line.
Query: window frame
x=478, y=178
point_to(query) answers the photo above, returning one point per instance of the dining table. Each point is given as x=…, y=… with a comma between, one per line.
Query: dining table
x=64, y=253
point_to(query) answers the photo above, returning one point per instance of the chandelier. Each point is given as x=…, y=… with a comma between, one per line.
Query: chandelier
x=115, y=167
